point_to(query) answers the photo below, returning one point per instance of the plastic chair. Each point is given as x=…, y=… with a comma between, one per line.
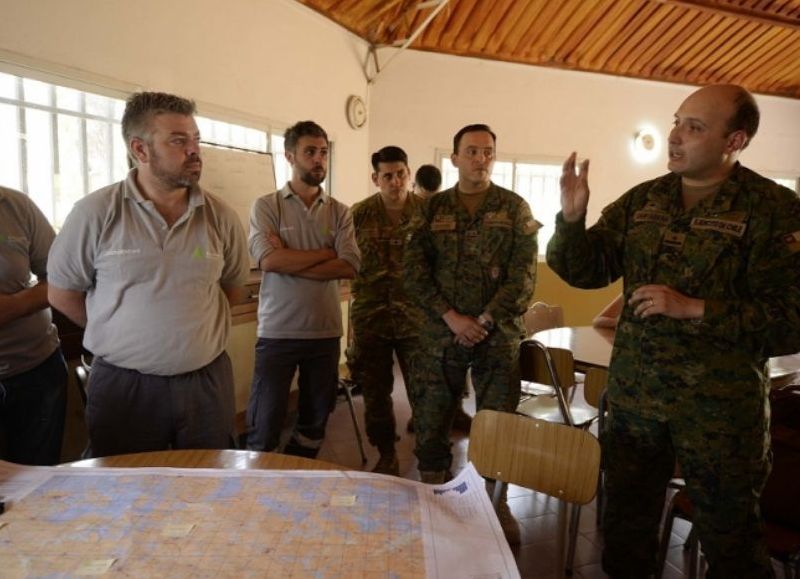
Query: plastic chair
x=554, y=368
x=553, y=459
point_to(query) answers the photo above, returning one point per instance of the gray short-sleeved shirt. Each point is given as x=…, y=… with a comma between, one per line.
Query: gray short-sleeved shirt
x=154, y=301
x=294, y=307
x=25, y=238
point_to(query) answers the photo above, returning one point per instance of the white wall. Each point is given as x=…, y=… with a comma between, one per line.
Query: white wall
x=271, y=59
x=422, y=99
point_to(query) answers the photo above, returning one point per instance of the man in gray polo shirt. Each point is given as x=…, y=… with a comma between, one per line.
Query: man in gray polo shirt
x=149, y=265
x=303, y=241
x=33, y=375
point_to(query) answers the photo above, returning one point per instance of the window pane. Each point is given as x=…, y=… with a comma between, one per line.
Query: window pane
x=120, y=154
x=98, y=152
x=283, y=170
x=39, y=151
x=119, y=108
x=10, y=170
x=69, y=181
x=538, y=185
x=67, y=98
x=8, y=86
x=449, y=173
x=503, y=174
x=98, y=105
x=36, y=92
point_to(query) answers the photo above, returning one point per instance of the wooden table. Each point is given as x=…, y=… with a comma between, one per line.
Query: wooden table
x=591, y=347
x=227, y=459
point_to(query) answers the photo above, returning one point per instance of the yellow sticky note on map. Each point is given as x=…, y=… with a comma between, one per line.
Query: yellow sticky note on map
x=95, y=567
x=177, y=529
x=343, y=500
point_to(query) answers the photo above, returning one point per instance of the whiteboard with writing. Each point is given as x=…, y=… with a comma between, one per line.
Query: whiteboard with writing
x=238, y=177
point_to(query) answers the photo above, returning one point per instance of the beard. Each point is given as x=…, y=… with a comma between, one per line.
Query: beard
x=173, y=179
x=313, y=178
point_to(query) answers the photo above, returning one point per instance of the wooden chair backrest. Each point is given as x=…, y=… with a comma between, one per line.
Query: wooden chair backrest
x=558, y=460
x=541, y=316
x=593, y=385
x=534, y=367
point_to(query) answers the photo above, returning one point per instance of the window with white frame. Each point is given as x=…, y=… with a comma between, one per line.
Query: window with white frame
x=537, y=183
x=58, y=144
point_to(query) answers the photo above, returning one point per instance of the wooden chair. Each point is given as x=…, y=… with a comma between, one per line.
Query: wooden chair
x=555, y=368
x=550, y=458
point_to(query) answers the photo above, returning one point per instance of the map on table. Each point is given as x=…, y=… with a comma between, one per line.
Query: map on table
x=246, y=523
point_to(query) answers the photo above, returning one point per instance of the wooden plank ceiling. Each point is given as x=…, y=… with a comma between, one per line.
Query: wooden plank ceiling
x=754, y=43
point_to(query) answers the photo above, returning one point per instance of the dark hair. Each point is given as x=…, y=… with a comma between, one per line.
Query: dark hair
x=428, y=177
x=302, y=129
x=472, y=129
x=141, y=107
x=746, y=116
x=390, y=154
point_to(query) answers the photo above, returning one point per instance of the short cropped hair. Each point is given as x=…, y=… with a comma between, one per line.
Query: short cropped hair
x=141, y=107
x=302, y=129
x=746, y=116
x=428, y=177
x=390, y=154
x=480, y=128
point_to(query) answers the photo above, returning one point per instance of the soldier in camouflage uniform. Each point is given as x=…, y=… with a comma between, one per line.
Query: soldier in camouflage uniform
x=384, y=320
x=471, y=265
x=710, y=256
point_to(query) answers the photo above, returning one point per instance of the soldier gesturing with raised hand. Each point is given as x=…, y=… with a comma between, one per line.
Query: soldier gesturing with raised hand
x=710, y=257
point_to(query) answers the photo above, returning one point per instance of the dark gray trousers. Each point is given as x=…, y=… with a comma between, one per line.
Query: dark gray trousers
x=127, y=411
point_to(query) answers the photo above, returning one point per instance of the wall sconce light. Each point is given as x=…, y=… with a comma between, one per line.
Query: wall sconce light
x=646, y=145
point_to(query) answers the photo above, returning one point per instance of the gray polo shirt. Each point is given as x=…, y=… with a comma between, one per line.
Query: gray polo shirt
x=290, y=306
x=154, y=301
x=25, y=238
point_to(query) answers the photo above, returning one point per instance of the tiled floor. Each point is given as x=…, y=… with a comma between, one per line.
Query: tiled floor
x=537, y=513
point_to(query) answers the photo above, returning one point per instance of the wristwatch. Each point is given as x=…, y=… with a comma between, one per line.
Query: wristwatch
x=486, y=323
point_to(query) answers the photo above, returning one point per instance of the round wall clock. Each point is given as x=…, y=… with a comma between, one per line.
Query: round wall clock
x=356, y=112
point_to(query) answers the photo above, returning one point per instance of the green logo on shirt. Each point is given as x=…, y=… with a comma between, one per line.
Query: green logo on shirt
x=198, y=253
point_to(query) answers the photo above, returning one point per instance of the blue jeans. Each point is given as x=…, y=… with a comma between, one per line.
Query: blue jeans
x=32, y=409
x=276, y=362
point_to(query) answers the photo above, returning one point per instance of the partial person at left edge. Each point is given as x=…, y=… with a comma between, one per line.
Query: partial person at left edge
x=33, y=375
x=150, y=266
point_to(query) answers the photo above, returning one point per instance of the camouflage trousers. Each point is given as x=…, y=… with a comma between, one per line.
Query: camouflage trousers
x=441, y=370
x=370, y=360
x=724, y=475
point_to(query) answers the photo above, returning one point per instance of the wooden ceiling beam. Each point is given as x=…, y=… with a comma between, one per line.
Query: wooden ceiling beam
x=524, y=17
x=762, y=17
x=616, y=33
x=494, y=26
x=677, y=48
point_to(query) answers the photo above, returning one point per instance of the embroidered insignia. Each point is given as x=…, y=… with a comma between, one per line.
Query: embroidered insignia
x=735, y=228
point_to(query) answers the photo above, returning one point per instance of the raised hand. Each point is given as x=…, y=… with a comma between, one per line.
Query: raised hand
x=574, y=189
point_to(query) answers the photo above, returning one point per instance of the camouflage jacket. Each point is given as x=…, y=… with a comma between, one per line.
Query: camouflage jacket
x=474, y=264
x=739, y=250
x=380, y=304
